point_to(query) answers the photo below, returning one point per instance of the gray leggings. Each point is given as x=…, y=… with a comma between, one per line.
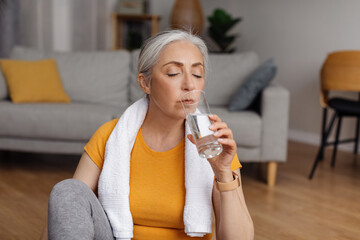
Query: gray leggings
x=76, y=213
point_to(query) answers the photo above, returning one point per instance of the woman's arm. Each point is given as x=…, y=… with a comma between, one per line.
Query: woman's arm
x=232, y=217
x=233, y=220
x=88, y=172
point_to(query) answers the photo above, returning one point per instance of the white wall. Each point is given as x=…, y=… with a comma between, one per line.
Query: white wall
x=299, y=35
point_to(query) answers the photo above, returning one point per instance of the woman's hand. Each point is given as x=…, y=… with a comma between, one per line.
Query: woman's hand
x=221, y=164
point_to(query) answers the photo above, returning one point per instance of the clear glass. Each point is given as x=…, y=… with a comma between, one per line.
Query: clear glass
x=197, y=113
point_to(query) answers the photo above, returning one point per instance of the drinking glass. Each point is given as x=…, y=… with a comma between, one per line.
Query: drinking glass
x=197, y=113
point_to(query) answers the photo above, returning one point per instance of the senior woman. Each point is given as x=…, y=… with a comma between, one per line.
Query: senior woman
x=147, y=201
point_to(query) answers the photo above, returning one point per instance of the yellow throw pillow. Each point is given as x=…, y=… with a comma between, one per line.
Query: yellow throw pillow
x=33, y=81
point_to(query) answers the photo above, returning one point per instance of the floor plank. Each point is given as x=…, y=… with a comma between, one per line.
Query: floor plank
x=325, y=208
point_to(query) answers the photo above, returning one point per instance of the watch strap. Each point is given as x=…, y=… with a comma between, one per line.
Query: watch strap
x=229, y=186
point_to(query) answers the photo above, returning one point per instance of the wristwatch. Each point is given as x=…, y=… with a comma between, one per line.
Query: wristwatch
x=229, y=186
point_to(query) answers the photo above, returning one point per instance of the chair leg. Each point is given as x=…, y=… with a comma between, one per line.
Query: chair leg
x=317, y=160
x=323, y=134
x=271, y=173
x=324, y=138
x=357, y=136
x=336, y=141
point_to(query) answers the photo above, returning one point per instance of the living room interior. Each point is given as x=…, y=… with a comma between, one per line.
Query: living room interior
x=274, y=62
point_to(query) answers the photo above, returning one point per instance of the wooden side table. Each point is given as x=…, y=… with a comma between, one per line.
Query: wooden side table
x=119, y=19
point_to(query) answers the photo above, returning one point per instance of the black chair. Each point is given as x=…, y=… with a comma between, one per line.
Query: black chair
x=340, y=72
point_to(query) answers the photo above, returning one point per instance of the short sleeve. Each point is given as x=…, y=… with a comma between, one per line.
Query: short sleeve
x=95, y=148
x=235, y=164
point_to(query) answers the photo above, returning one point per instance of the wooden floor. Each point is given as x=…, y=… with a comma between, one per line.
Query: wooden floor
x=328, y=207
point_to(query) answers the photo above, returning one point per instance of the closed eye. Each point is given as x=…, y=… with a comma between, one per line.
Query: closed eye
x=198, y=76
x=172, y=74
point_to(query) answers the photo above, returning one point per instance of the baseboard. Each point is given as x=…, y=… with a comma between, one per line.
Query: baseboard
x=314, y=139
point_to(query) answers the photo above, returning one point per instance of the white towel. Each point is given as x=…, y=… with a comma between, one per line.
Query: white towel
x=114, y=187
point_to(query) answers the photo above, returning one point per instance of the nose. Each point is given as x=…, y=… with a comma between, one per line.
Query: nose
x=189, y=83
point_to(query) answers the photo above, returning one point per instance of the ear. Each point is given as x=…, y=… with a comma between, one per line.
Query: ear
x=144, y=84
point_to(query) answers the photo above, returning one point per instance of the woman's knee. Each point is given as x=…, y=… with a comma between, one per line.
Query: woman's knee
x=69, y=189
x=69, y=212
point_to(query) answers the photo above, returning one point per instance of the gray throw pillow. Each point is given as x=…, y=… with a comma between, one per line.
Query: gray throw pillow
x=253, y=84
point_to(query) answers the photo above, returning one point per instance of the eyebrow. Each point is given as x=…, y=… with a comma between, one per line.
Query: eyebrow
x=181, y=64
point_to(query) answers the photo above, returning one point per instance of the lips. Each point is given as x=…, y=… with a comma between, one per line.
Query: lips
x=188, y=101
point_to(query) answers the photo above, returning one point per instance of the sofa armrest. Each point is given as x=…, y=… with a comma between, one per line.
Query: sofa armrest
x=275, y=116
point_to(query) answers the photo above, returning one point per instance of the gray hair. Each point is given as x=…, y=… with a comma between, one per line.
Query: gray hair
x=150, y=51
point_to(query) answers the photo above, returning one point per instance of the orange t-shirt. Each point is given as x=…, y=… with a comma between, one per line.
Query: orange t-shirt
x=157, y=185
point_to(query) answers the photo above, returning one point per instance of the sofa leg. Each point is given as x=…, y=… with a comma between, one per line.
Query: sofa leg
x=271, y=173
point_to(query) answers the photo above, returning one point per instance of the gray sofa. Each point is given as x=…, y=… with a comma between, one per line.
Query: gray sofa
x=103, y=84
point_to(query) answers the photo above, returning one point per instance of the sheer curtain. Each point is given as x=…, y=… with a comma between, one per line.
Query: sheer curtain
x=9, y=26
x=66, y=25
x=92, y=24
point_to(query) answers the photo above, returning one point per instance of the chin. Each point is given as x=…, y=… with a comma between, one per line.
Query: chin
x=182, y=114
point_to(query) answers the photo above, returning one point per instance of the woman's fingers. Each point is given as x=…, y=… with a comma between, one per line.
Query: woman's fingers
x=227, y=141
x=215, y=118
x=220, y=128
x=217, y=125
x=216, y=122
x=224, y=133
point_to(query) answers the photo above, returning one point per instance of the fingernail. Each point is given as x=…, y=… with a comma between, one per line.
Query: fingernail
x=211, y=126
x=216, y=133
x=220, y=140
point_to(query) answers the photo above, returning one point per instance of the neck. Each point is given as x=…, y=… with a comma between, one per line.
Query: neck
x=160, y=129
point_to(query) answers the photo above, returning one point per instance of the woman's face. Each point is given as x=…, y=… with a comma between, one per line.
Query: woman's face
x=180, y=69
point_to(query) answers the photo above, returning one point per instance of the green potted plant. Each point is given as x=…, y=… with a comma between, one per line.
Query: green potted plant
x=220, y=22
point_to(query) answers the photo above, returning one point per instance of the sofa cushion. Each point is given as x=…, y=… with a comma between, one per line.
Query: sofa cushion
x=246, y=125
x=92, y=77
x=33, y=81
x=103, y=78
x=75, y=121
x=226, y=74
x=26, y=53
